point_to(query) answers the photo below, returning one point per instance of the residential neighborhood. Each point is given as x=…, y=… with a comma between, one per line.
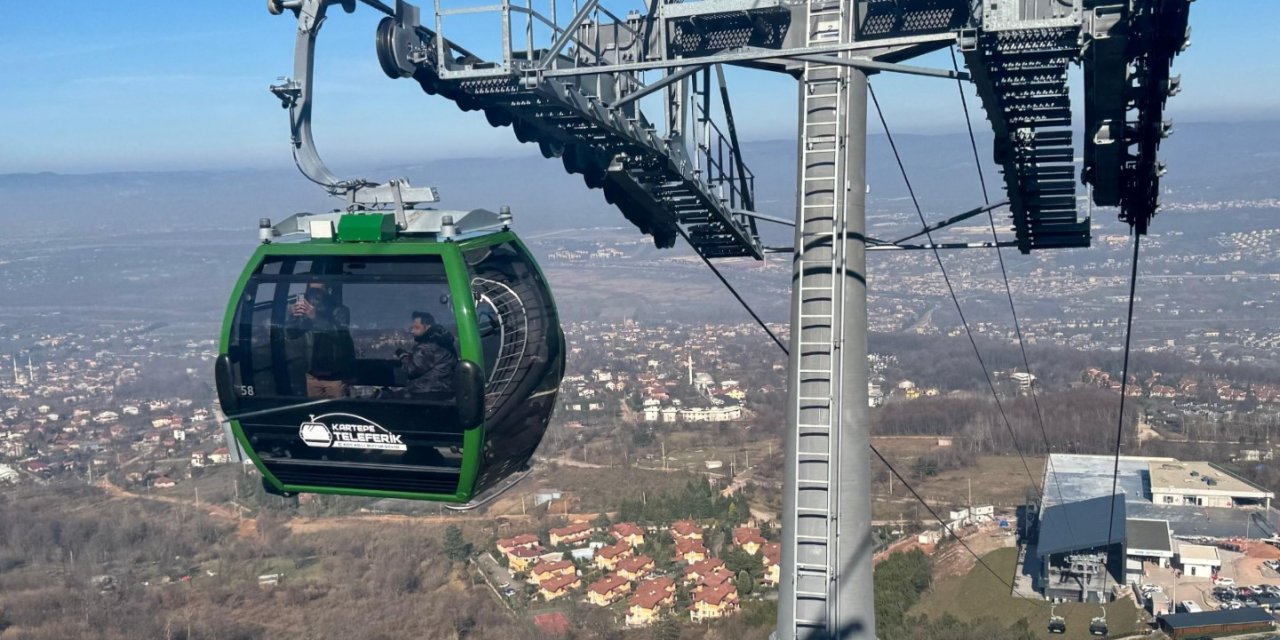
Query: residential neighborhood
x=607, y=566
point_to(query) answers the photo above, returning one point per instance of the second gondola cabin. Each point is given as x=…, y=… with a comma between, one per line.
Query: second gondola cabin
x=373, y=360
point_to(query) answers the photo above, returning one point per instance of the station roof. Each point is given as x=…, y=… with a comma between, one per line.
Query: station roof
x=1198, y=554
x=1148, y=535
x=1195, y=477
x=1081, y=525
x=1074, y=477
x=1246, y=615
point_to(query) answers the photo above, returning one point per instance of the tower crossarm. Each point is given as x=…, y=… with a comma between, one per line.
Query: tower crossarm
x=686, y=176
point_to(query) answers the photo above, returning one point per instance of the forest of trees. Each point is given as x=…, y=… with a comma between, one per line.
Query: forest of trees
x=175, y=573
x=77, y=564
x=1075, y=421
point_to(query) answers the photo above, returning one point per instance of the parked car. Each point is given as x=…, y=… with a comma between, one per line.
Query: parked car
x=1224, y=582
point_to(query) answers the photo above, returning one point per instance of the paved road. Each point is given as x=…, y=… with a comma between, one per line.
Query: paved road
x=498, y=575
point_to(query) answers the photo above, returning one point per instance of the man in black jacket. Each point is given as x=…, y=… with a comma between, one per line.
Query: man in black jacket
x=331, y=352
x=432, y=362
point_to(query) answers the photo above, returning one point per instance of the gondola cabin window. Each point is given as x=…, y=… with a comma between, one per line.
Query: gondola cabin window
x=321, y=328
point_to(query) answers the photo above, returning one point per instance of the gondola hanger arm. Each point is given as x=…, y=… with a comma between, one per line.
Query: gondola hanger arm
x=297, y=95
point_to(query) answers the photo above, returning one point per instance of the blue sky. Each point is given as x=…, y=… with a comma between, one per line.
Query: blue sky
x=150, y=85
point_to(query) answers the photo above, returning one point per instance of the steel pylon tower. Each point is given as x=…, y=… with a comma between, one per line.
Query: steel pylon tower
x=826, y=535
x=574, y=87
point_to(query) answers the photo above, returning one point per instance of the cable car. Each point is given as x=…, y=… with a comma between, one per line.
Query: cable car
x=1056, y=625
x=416, y=360
x=1098, y=626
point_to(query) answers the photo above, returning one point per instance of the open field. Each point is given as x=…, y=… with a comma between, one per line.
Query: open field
x=979, y=594
x=588, y=490
x=996, y=480
x=694, y=458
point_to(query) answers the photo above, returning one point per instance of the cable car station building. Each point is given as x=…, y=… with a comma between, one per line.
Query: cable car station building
x=1082, y=544
x=1202, y=484
x=1077, y=546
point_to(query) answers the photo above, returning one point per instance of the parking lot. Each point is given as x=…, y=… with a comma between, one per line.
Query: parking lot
x=1242, y=576
x=1179, y=589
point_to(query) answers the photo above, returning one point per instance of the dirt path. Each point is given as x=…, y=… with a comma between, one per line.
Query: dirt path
x=316, y=525
x=955, y=560
x=738, y=483
x=245, y=528
x=1248, y=568
x=904, y=545
x=1145, y=431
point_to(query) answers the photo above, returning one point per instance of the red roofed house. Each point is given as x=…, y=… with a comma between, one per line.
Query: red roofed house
x=635, y=567
x=691, y=551
x=772, y=557
x=558, y=586
x=686, y=530
x=520, y=558
x=714, y=602
x=607, y=590
x=522, y=541
x=572, y=534
x=547, y=570
x=714, y=579
x=645, y=606
x=694, y=572
x=749, y=539
x=607, y=557
x=660, y=583
x=627, y=532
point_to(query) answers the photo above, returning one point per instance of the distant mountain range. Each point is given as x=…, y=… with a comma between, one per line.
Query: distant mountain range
x=1207, y=162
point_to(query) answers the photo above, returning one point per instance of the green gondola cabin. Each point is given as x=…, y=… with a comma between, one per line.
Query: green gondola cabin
x=366, y=360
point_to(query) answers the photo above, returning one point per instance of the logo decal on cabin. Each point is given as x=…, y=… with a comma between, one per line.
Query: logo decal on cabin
x=347, y=431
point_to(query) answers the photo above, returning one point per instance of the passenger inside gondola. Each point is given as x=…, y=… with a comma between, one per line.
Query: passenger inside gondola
x=326, y=325
x=432, y=362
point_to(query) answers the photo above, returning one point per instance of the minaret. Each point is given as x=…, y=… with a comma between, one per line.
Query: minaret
x=31, y=372
x=691, y=368
x=15, y=368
